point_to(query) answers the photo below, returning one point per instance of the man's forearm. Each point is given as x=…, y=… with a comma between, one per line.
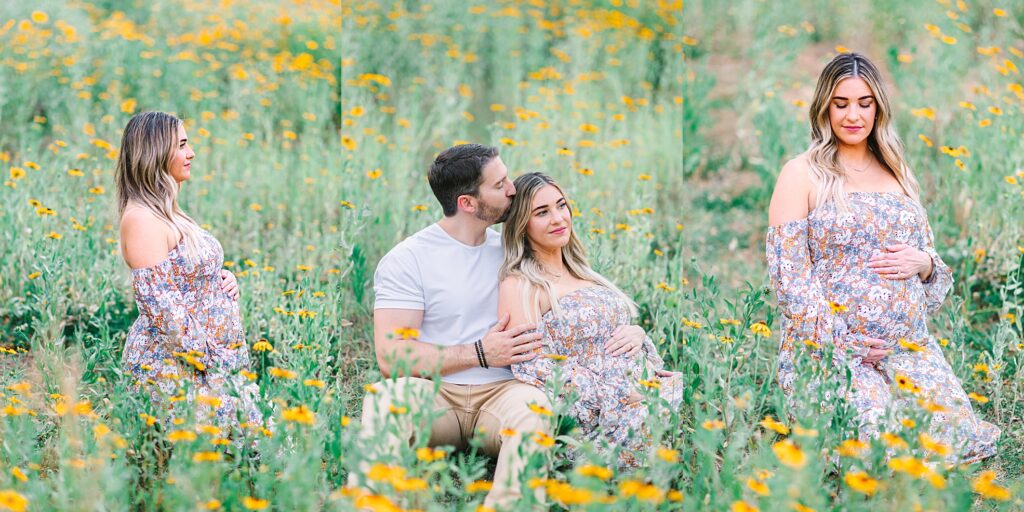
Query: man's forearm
x=418, y=359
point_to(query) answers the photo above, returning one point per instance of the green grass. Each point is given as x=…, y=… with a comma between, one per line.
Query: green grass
x=309, y=169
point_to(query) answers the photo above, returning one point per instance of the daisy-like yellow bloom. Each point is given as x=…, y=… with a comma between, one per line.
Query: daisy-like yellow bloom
x=933, y=446
x=427, y=454
x=761, y=329
x=409, y=484
x=599, y=472
x=769, y=423
x=691, y=324
x=209, y=430
x=385, y=473
x=251, y=503
x=910, y=465
x=713, y=425
x=805, y=432
x=181, y=435
x=300, y=414
x=13, y=501
x=837, y=308
x=931, y=406
x=906, y=384
x=479, y=486
x=668, y=455
x=910, y=345
x=861, y=482
x=742, y=506
x=406, y=333
x=206, y=457
x=539, y=409
x=893, y=441
x=981, y=399
x=543, y=439
x=641, y=491
x=262, y=346
x=281, y=373
x=758, y=487
x=789, y=454
x=210, y=401
x=984, y=485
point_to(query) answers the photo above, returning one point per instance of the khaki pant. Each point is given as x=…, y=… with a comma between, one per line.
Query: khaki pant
x=461, y=412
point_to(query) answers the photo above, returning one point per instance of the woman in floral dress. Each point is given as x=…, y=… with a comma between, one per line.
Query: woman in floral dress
x=187, y=346
x=851, y=257
x=584, y=320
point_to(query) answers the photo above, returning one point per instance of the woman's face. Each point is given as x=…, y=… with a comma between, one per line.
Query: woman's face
x=180, y=167
x=550, y=219
x=852, y=111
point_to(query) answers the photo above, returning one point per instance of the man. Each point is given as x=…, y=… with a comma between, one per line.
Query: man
x=435, y=314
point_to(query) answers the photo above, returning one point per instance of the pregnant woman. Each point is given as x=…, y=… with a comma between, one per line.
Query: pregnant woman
x=584, y=320
x=852, y=261
x=187, y=343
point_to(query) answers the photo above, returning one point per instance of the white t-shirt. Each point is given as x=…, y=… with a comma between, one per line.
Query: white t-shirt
x=454, y=284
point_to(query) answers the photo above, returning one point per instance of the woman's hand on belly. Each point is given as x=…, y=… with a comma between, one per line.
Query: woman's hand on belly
x=901, y=261
x=875, y=350
x=228, y=284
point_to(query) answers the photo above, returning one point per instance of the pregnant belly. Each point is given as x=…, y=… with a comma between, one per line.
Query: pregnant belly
x=222, y=321
x=880, y=308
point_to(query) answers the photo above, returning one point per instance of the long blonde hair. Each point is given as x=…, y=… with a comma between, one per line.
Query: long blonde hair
x=883, y=142
x=143, y=176
x=519, y=255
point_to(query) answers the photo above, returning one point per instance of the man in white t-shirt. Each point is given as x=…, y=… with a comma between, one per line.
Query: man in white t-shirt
x=436, y=299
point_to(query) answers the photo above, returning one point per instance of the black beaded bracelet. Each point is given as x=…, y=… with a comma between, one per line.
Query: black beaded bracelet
x=480, y=353
x=479, y=360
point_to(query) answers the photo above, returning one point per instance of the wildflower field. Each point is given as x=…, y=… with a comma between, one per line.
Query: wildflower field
x=314, y=122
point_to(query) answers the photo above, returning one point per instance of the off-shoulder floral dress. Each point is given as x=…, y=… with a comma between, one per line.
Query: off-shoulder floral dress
x=187, y=344
x=575, y=343
x=830, y=298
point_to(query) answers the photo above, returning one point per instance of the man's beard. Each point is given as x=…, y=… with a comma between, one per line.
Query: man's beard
x=491, y=214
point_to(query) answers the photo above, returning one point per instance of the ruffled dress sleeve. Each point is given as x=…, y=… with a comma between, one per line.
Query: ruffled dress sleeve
x=938, y=284
x=806, y=314
x=170, y=314
x=597, y=391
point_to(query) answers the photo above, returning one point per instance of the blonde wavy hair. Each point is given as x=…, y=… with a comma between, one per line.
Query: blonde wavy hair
x=142, y=175
x=883, y=142
x=519, y=255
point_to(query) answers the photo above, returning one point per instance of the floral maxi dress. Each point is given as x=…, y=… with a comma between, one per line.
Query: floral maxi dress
x=575, y=343
x=829, y=299
x=187, y=344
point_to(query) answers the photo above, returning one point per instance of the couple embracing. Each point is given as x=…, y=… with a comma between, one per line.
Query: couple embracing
x=501, y=318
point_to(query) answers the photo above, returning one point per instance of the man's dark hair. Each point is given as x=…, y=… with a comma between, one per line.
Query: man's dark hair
x=457, y=171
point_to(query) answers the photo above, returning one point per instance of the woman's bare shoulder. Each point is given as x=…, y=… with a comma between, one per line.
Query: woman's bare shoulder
x=145, y=238
x=793, y=188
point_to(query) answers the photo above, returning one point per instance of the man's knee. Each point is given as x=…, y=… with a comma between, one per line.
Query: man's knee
x=524, y=418
x=385, y=396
